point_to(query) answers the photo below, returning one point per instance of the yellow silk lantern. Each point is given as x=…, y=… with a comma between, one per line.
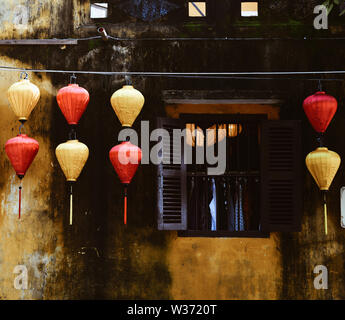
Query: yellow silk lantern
x=323, y=165
x=127, y=103
x=72, y=156
x=23, y=97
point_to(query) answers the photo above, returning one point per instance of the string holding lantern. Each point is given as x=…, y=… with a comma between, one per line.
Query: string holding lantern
x=72, y=155
x=127, y=103
x=21, y=150
x=323, y=165
x=125, y=159
x=23, y=97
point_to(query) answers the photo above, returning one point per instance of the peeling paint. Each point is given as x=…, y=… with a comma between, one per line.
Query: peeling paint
x=97, y=257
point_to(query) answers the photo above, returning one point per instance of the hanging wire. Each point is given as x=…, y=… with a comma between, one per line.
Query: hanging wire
x=26, y=75
x=214, y=39
x=73, y=79
x=305, y=38
x=195, y=75
x=152, y=73
x=21, y=127
x=128, y=80
x=320, y=86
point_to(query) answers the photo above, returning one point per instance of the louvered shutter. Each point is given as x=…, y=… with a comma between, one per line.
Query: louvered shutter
x=172, y=197
x=281, y=182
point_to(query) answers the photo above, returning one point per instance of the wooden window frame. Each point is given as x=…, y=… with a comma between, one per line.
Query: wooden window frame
x=211, y=13
x=249, y=17
x=101, y=20
x=280, y=175
x=187, y=118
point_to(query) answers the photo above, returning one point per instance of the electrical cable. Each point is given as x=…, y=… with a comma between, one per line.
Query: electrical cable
x=220, y=39
x=252, y=78
x=193, y=75
x=83, y=39
x=191, y=39
x=196, y=75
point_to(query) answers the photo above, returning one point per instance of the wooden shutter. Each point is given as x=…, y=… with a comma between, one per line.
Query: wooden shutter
x=281, y=183
x=172, y=179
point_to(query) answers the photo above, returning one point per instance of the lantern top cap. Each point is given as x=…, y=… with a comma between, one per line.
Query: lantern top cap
x=73, y=85
x=320, y=92
x=128, y=86
x=322, y=148
x=72, y=141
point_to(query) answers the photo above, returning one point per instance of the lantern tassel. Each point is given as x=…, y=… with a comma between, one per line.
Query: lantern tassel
x=20, y=199
x=71, y=206
x=325, y=212
x=125, y=207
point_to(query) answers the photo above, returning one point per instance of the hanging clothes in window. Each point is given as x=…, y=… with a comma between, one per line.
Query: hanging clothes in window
x=213, y=206
x=236, y=214
x=201, y=194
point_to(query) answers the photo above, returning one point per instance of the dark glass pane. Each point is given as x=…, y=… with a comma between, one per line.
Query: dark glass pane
x=229, y=202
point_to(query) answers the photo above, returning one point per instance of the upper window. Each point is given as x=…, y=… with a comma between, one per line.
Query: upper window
x=197, y=9
x=259, y=191
x=249, y=9
x=99, y=10
x=171, y=11
x=145, y=10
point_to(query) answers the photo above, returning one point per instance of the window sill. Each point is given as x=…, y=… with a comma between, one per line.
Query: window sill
x=223, y=234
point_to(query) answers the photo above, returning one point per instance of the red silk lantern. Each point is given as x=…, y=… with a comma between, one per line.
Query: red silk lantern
x=320, y=109
x=125, y=159
x=73, y=101
x=21, y=151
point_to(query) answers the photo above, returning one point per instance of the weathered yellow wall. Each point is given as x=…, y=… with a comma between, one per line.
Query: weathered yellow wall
x=221, y=268
x=21, y=19
x=98, y=257
x=204, y=268
x=35, y=239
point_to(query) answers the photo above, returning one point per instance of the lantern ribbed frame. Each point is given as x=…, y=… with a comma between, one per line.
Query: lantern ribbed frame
x=21, y=150
x=72, y=156
x=320, y=109
x=323, y=165
x=130, y=155
x=72, y=101
x=127, y=103
x=23, y=97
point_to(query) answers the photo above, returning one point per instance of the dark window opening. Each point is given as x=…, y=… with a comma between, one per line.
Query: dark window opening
x=229, y=202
